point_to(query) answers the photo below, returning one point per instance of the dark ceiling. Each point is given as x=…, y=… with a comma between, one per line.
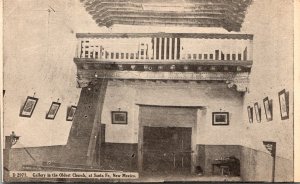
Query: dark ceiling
x=228, y=14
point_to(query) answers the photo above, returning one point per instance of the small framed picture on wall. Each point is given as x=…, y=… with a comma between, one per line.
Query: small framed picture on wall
x=257, y=112
x=28, y=107
x=268, y=108
x=220, y=118
x=250, y=114
x=53, y=110
x=119, y=117
x=284, y=104
x=71, y=113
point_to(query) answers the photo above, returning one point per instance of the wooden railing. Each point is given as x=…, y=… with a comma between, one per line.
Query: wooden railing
x=164, y=46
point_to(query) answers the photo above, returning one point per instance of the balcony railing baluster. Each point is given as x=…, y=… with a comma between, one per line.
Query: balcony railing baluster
x=162, y=48
x=175, y=49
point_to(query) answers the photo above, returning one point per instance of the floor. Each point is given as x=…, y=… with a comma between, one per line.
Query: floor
x=189, y=177
x=142, y=178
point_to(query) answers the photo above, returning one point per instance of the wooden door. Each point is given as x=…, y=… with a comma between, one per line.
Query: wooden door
x=166, y=150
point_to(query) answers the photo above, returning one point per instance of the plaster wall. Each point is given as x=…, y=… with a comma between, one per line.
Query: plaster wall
x=215, y=97
x=272, y=71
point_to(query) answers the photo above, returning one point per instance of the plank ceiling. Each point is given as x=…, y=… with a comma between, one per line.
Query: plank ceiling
x=228, y=14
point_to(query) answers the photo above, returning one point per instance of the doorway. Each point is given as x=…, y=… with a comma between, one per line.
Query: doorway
x=167, y=139
x=167, y=150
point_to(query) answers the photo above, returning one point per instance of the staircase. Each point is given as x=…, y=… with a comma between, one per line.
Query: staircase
x=85, y=130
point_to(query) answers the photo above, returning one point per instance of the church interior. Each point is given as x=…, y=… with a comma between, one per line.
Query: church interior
x=197, y=89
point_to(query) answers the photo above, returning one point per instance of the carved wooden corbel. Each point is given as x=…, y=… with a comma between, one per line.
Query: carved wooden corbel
x=241, y=85
x=81, y=83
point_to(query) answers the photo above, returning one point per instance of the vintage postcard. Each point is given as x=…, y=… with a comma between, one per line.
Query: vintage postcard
x=139, y=91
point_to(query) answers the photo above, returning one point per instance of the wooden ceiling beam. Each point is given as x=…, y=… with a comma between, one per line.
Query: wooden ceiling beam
x=209, y=21
x=225, y=25
x=138, y=11
x=134, y=10
x=100, y=8
x=146, y=17
x=194, y=10
x=162, y=20
x=139, y=22
x=158, y=13
x=169, y=35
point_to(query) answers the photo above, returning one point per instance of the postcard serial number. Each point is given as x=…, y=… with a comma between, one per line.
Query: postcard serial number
x=19, y=175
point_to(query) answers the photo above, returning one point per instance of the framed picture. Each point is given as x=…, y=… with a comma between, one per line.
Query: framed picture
x=71, y=113
x=257, y=112
x=28, y=107
x=268, y=108
x=250, y=114
x=53, y=110
x=284, y=104
x=119, y=117
x=220, y=118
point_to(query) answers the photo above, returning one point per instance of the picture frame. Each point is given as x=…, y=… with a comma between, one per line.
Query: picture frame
x=71, y=113
x=53, y=110
x=220, y=118
x=257, y=110
x=28, y=107
x=268, y=106
x=119, y=117
x=250, y=114
x=284, y=104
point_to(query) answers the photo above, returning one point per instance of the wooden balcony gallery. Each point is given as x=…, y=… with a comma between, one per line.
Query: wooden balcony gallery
x=178, y=56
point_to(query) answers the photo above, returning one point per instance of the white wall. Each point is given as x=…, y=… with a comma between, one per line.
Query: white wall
x=272, y=72
x=38, y=59
x=215, y=97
